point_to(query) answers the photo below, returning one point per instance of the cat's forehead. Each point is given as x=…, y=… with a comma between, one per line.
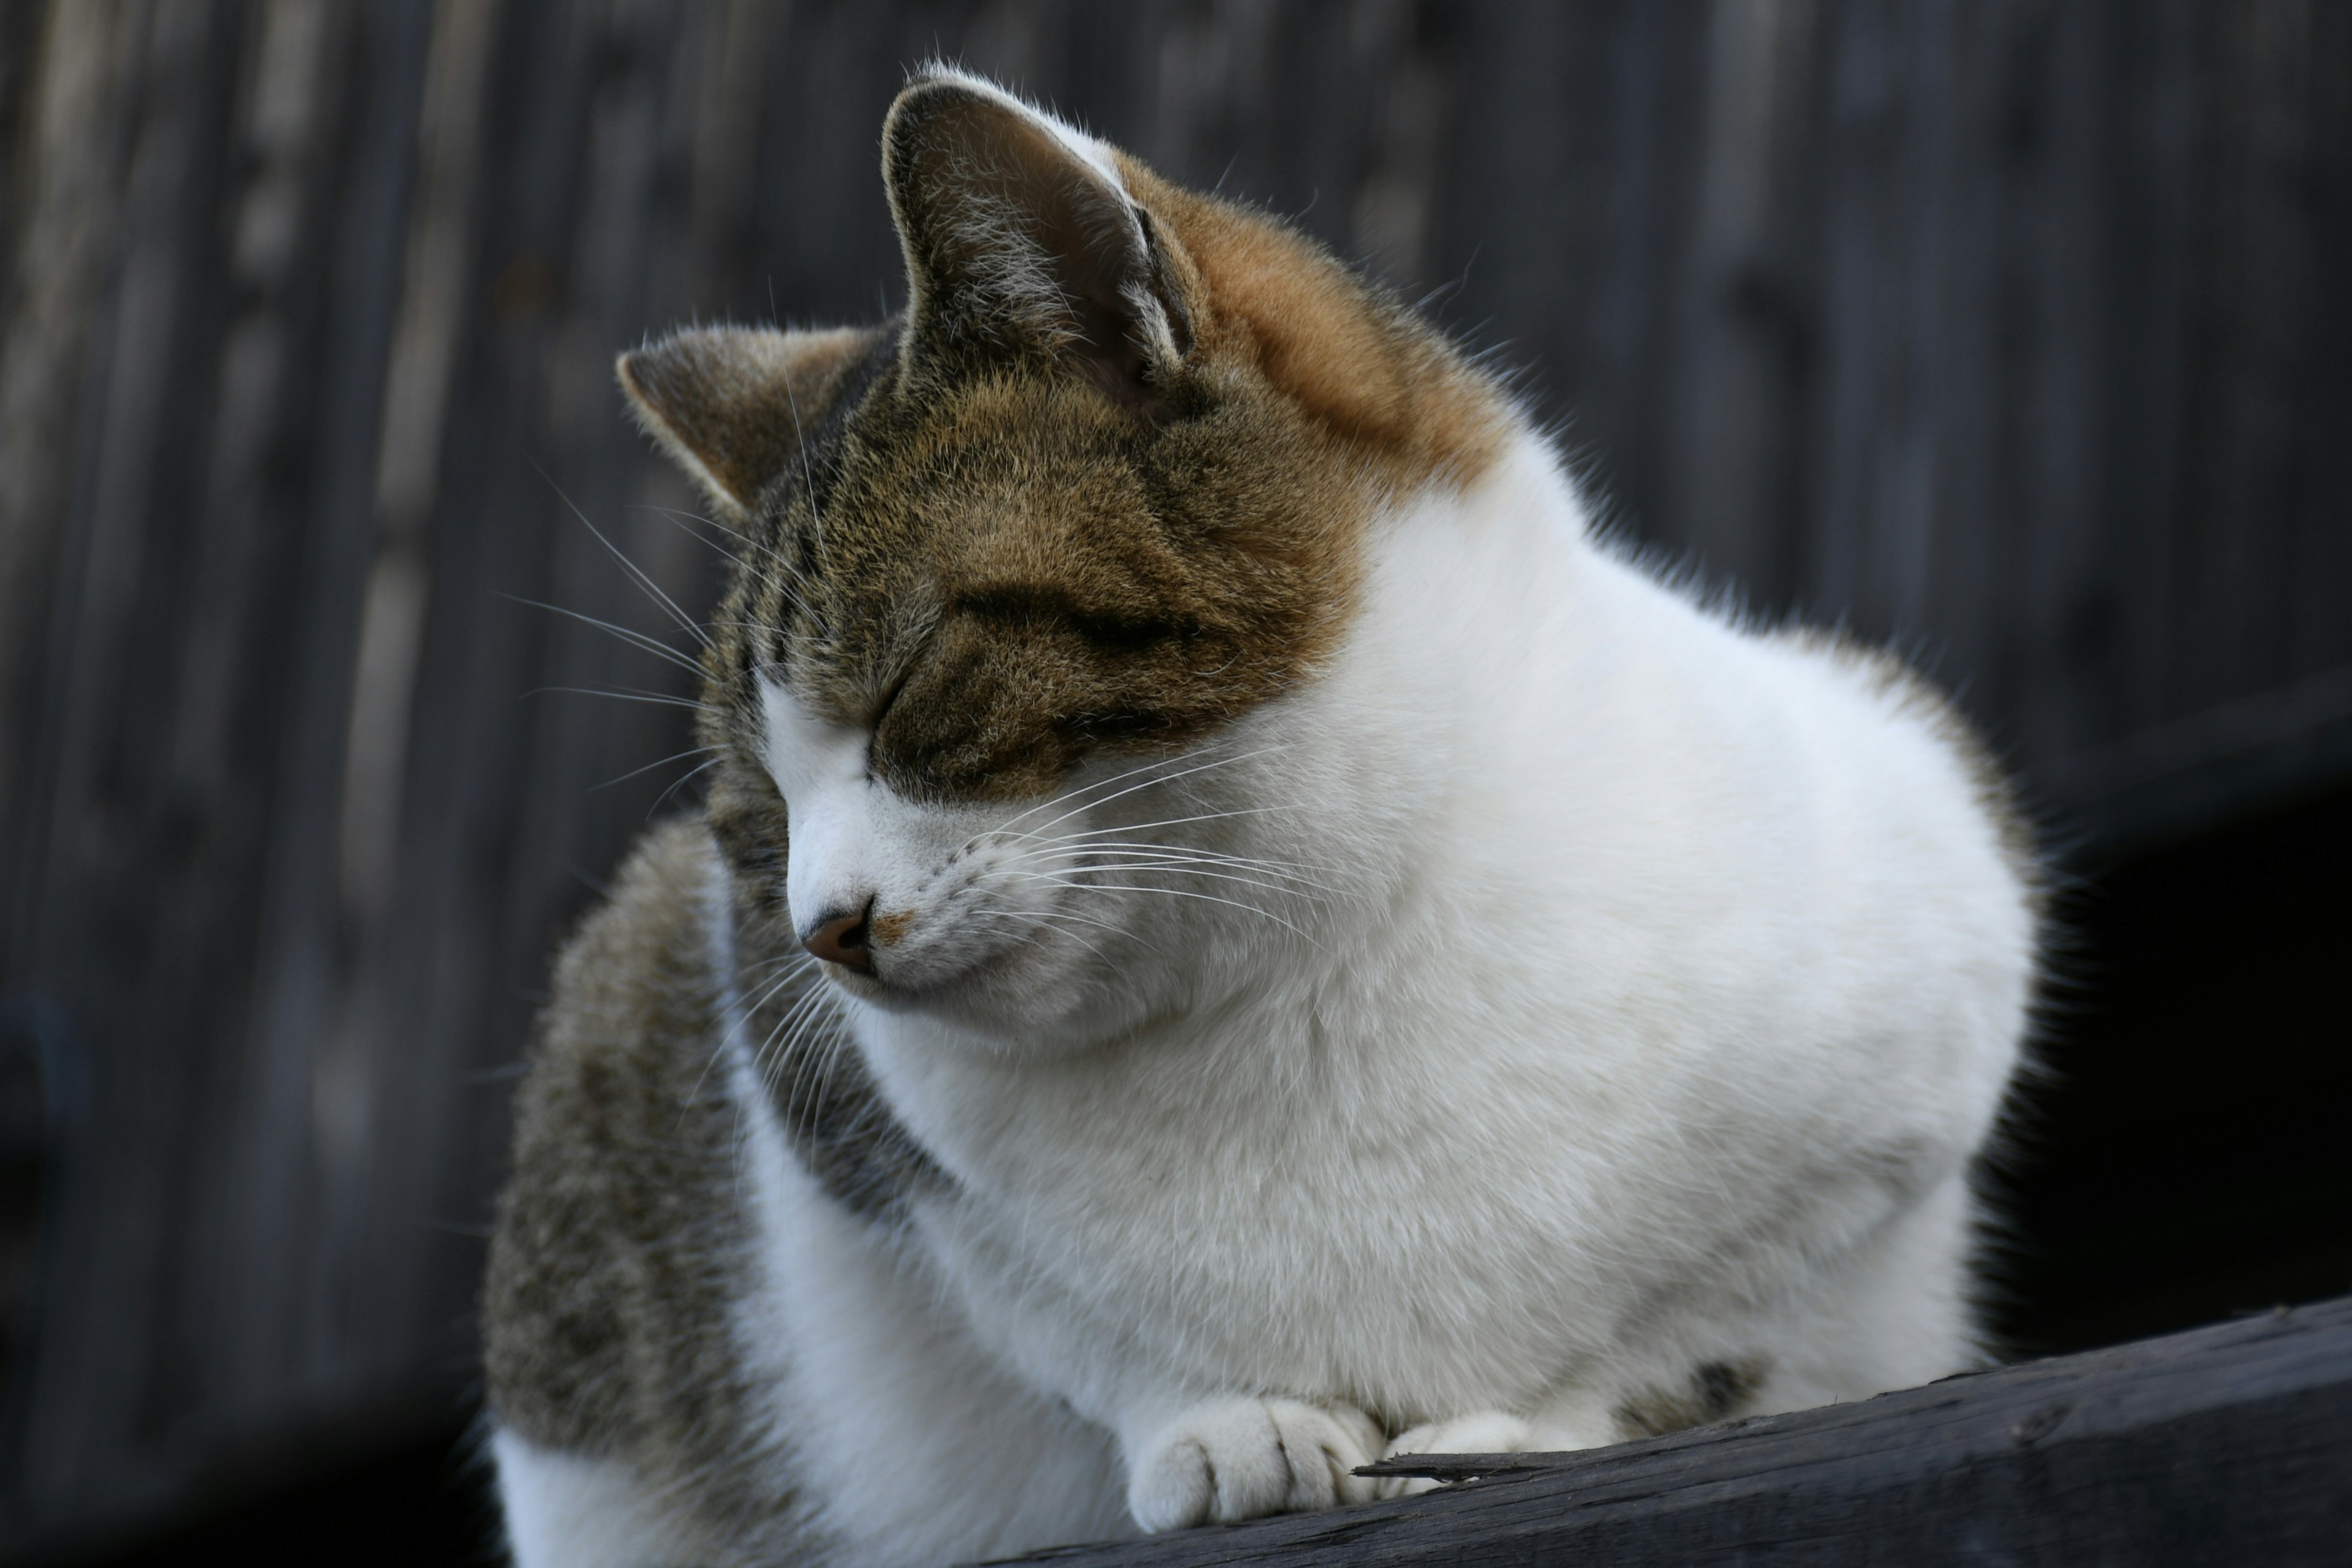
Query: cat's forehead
x=1000, y=577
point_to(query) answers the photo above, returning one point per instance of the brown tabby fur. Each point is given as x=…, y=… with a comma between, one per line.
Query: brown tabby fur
x=620, y=1240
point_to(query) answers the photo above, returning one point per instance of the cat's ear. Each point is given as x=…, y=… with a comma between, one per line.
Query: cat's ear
x=731, y=404
x=1020, y=236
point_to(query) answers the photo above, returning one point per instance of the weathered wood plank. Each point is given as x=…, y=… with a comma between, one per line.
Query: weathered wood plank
x=2224, y=1446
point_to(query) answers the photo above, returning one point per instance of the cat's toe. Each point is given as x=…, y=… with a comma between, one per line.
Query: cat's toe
x=1229, y=1460
x=1481, y=1431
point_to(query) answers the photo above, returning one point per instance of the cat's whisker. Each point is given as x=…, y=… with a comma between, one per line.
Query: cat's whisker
x=835, y=1050
x=635, y=640
x=632, y=772
x=1077, y=800
x=768, y=1061
x=682, y=780
x=769, y=1057
x=1173, y=854
x=808, y=473
x=826, y=1062
x=1115, y=839
x=744, y=1014
x=681, y=520
x=1030, y=919
x=1070, y=880
x=803, y=1014
x=636, y=574
x=1006, y=826
x=781, y=582
x=1111, y=858
x=1166, y=821
x=660, y=699
x=761, y=629
x=1148, y=784
x=809, y=1014
x=1148, y=866
x=769, y=991
x=1116, y=856
x=1129, y=845
x=1166, y=892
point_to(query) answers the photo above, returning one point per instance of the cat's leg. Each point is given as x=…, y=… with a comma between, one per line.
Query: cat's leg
x=914, y=1444
x=563, y=1511
x=1572, y=1418
x=1894, y=1312
x=1238, y=1457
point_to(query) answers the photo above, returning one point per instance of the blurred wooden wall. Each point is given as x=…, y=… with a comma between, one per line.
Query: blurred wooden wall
x=2016, y=330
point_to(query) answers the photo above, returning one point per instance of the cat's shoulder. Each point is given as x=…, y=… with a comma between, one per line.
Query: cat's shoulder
x=607, y=1232
x=641, y=970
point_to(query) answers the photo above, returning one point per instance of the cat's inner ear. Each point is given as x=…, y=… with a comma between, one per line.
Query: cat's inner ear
x=732, y=405
x=1020, y=235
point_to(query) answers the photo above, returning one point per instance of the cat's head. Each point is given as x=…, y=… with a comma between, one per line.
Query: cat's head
x=1021, y=570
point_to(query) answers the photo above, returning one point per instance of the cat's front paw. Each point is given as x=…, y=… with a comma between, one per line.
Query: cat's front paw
x=1480, y=1432
x=1229, y=1460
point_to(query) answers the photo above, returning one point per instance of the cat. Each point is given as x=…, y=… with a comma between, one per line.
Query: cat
x=1231, y=935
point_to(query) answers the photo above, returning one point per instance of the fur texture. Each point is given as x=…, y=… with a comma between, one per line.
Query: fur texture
x=1342, y=961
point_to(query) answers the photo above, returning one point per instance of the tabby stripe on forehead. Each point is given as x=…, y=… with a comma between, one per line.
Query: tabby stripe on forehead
x=1107, y=629
x=819, y=469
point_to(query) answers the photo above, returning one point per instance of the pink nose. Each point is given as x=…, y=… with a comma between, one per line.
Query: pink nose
x=841, y=939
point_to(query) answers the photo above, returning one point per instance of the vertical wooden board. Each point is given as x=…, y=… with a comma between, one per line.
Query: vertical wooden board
x=232, y=692
x=69, y=184
x=2261, y=512
x=1576, y=158
x=2321, y=497
x=819, y=243
x=2158, y=67
x=1736, y=327
x=492, y=806
x=124, y=834
x=300, y=1141
x=2014, y=355
x=571, y=827
x=1886, y=91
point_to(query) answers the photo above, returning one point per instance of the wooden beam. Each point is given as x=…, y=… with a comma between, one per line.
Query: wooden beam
x=2226, y=1445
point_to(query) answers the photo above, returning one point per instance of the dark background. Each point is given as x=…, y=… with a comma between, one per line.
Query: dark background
x=2017, y=331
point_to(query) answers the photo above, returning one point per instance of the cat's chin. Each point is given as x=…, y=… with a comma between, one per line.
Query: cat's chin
x=1022, y=1001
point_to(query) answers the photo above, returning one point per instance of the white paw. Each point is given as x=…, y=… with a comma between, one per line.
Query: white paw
x=1230, y=1459
x=1480, y=1432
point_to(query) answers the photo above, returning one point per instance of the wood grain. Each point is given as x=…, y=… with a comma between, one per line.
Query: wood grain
x=2226, y=1445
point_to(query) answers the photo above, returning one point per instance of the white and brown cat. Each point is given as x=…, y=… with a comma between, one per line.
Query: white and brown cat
x=1232, y=936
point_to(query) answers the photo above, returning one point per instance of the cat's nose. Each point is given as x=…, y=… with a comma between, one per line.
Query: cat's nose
x=839, y=937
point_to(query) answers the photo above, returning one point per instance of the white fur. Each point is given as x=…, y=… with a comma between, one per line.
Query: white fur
x=1616, y=990
x=581, y=1513
x=913, y=1446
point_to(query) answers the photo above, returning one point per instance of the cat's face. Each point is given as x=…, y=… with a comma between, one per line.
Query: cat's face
x=1022, y=572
